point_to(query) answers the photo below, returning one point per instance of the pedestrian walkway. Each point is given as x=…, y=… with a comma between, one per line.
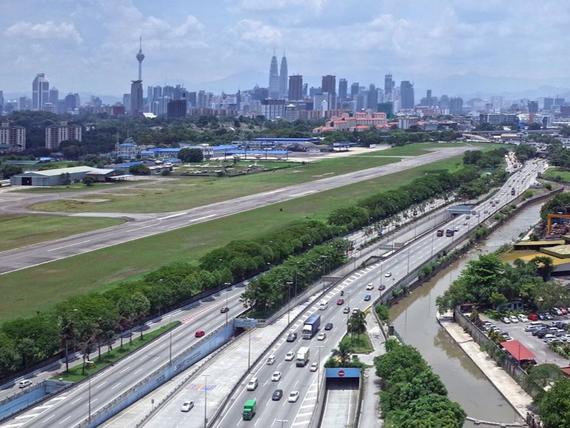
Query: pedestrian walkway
x=370, y=415
x=504, y=383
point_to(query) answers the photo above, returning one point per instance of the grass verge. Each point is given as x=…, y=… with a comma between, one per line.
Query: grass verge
x=38, y=288
x=558, y=174
x=75, y=374
x=19, y=231
x=358, y=344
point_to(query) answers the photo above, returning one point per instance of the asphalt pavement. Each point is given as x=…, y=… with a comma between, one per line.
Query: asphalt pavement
x=33, y=255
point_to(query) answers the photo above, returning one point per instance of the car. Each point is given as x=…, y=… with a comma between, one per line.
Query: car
x=506, y=320
x=270, y=360
x=549, y=336
x=538, y=331
x=314, y=367
x=292, y=336
x=340, y=302
x=381, y=287
x=187, y=406
x=388, y=274
x=329, y=326
x=465, y=223
x=252, y=384
x=346, y=310
x=323, y=305
x=533, y=317
x=531, y=328
x=199, y=333
x=355, y=311
x=522, y=318
x=563, y=310
x=548, y=316
x=24, y=383
x=321, y=336
x=276, y=376
x=277, y=394
x=513, y=319
x=541, y=333
x=224, y=309
x=290, y=355
x=293, y=397
x=439, y=233
x=468, y=217
x=367, y=298
x=370, y=286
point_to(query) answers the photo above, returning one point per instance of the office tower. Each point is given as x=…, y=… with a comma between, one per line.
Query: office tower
x=40, y=92
x=176, y=109
x=532, y=107
x=305, y=89
x=548, y=103
x=354, y=89
x=328, y=84
x=56, y=134
x=455, y=105
x=283, y=77
x=429, y=99
x=558, y=101
x=273, y=78
x=342, y=89
x=12, y=138
x=1, y=102
x=388, y=87
x=406, y=95
x=24, y=103
x=192, y=99
x=386, y=108
x=314, y=91
x=53, y=96
x=372, y=98
x=137, y=100
x=296, y=87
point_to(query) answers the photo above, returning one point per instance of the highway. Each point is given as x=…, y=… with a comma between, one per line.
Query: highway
x=271, y=413
x=37, y=254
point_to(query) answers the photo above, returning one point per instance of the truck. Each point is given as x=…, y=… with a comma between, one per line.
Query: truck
x=302, y=356
x=513, y=191
x=311, y=326
x=249, y=409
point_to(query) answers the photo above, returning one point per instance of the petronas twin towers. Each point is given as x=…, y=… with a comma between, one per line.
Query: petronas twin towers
x=278, y=78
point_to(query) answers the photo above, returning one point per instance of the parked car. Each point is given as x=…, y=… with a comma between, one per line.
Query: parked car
x=187, y=406
x=513, y=319
x=506, y=320
x=533, y=317
x=522, y=318
x=277, y=394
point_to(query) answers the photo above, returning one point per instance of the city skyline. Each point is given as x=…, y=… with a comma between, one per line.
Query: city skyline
x=91, y=49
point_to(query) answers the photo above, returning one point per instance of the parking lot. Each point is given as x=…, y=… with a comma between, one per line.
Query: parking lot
x=542, y=352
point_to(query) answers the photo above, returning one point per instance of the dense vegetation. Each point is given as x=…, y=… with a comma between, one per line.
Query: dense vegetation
x=489, y=282
x=413, y=395
x=554, y=405
x=559, y=204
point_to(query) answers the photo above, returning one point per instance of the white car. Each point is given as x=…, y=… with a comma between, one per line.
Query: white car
x=293, y=396
x=388, y=274
x=506, y=320
x=522, y=318
x=314, y=367
x=270, y=360
x=290, y=355
x=321, y=336
x=24, y=383
x=187, y=406
x=370, y=286
x=513, y=319
x=276, y=376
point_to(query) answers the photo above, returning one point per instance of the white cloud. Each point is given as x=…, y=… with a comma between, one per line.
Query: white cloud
x=44, y=31
x=272, y=5
x=256, y=32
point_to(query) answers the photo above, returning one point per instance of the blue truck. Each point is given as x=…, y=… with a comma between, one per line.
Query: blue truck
x=311, y=326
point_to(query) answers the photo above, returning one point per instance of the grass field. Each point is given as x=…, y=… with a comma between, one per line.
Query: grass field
x=18, y=231
x=75, y=187
x=558, y=174
x=358, y=344
x=53, y=282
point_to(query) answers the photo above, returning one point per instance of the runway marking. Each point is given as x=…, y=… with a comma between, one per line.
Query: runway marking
x=70, y=245
x=202, y=218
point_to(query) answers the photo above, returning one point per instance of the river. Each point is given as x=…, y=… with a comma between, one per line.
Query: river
x=414, y=319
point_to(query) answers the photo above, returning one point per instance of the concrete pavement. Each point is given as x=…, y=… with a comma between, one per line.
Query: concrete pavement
x=46, y=252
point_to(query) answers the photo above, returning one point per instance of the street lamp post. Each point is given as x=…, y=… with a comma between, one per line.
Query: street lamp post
x=205, y=401
x=289, y=284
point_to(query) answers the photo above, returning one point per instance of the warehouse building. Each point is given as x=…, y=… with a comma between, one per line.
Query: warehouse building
x=61, y=176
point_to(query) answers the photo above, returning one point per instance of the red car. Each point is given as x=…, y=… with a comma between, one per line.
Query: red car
x=340, y=302
x=199, y=333
x=533, y=317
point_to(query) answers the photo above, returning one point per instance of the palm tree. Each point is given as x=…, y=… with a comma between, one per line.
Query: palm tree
x=356, y=323
x=544, y=266
x=342, y=353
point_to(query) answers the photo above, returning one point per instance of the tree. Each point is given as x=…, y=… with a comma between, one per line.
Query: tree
x=139, y=170
x=8, y=171
x=356, y=324
x=191, y=155
x=554, y=405
x=342, y=353
x=544, y=265
x=383, y=312
x=88, y=181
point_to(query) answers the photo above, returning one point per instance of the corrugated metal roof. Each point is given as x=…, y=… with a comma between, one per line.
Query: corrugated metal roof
x=59, y=171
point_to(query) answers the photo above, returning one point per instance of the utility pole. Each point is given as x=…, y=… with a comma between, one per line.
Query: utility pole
x=205, y=401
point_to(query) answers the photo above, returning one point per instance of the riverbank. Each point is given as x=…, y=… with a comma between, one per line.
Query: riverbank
x=501, y=380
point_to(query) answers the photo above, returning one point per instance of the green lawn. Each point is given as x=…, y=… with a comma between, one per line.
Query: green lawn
x=75, y=187
x=358, y=344
x=18, y=231
x=53, y=282
x=75, y=374
x=417, y=149
x=558, y=174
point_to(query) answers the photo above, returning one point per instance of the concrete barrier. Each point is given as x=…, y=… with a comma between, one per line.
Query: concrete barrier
x=166, y=372
x=34, y=394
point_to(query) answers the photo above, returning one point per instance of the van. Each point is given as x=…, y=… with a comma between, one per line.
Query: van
x=252, y=384
x=323, y=305
x=24, y=383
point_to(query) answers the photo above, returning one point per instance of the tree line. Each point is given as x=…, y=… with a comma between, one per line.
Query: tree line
x=412, y=394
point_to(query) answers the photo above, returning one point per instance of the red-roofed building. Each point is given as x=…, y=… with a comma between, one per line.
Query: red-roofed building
x=565, y=370
x=518, y=351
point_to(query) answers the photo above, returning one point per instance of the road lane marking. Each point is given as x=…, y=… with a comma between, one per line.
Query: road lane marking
x=116, y=385
x=45, y=406
x=31, y=415
x=124, y=370
x=64, y=419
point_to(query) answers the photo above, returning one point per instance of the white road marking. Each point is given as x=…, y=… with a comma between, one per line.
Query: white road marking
x=31, y=415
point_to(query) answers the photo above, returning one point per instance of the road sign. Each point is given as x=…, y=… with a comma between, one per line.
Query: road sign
x=341, y=373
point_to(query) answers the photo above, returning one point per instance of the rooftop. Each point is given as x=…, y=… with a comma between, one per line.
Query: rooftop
x=518, y=350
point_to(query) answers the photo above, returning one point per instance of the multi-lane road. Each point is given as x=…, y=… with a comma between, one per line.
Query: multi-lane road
x=46, y=252
x=272, y=413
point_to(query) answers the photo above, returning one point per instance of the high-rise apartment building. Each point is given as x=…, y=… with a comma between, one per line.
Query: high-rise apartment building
x=56, y=134
x=12, y=138
x=295, y=87
x=406, y=95
x=329, y=84
x=40, y=92
x=343, y=89
x=283, y=77
x=273, y=78
x=456, y=105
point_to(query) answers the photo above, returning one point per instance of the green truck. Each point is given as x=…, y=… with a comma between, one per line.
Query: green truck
x=249, y=410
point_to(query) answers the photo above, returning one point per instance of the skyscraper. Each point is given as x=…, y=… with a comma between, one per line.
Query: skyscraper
x=40, y=92
x=456, y=105
x=283, y=77
x=137, y=100
x=354, y=88
x=388, y=87
x=296, y=87
x=406, y=95
x=342, y=89
x=329, y=84
x=273, y=78
x=372, y=99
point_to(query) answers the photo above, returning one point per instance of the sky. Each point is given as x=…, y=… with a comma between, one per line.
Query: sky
x=452, y=46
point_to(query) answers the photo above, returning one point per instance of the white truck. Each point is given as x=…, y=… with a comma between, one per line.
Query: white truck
x=302, y=356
